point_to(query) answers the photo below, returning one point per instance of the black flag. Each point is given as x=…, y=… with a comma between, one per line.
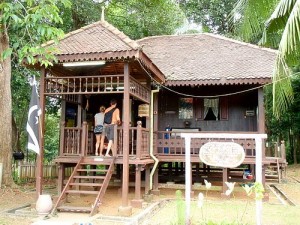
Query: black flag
x=33, y=119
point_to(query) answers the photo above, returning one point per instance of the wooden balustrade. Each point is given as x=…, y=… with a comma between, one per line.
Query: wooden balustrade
x=70, y=141
x=171, y=143
x=138, y=90
x=84, y=85
x=94, y=85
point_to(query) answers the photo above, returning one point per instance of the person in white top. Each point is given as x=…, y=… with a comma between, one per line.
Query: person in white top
x=99, y=120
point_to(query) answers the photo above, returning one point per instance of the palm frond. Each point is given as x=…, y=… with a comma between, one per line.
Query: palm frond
x=289, y=46
x=282, y=88
x=253, y=14
x=277, y=22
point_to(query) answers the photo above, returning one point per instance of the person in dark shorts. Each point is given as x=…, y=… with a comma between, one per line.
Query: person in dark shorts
x=111, y=119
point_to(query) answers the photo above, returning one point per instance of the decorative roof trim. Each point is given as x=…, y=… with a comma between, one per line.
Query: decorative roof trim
x=108, y=56
x=255, y=81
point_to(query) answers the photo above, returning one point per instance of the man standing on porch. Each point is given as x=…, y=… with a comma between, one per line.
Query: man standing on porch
x=111, y=119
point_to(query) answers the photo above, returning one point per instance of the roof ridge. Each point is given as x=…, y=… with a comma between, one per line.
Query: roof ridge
x=131, y=43
x=215, y=36
x=240, y=42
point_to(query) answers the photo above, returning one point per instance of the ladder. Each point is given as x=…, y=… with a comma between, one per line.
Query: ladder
x=90, y=176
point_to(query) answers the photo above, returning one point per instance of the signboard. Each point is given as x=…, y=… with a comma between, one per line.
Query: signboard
x=222, y=154
x=143, y=110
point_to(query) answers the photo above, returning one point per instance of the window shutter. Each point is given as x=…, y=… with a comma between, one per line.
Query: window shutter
x=224, y=108
x=198, y=108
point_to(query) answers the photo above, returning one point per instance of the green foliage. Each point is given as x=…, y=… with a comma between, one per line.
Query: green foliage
x=212, y=15
x=51, y=137
x=280, y=28
x=29, y=24
x=259, y=190
x=180, y=208
x=81, y=13
x=143, y=18
x=286, y=127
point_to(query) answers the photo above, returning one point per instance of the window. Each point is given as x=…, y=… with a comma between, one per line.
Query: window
x=185, y=108
x=211, y=109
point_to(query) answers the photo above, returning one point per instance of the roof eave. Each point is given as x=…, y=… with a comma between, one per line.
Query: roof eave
x=160, y=78
x=252, y=81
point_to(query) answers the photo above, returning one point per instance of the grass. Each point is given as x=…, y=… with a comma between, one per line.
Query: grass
x=227, y=212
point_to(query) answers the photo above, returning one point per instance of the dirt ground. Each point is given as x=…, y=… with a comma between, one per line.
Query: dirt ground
x=11, y=198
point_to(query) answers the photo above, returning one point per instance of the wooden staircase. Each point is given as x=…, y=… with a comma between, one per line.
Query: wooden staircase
x=90, y=177
x=276, y=170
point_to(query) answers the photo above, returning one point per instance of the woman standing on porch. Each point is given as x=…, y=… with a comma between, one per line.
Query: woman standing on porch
x=99, y=120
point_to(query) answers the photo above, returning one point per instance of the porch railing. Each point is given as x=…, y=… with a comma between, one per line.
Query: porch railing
x=70, y=140
x=171, y=143
x=77, y=141
x=139, y=142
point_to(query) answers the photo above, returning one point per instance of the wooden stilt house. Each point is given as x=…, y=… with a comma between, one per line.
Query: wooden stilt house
x=164, y=86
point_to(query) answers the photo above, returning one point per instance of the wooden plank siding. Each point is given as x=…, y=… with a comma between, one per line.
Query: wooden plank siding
x=232, y=111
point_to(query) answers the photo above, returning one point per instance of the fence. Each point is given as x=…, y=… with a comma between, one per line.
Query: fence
x=27, y=171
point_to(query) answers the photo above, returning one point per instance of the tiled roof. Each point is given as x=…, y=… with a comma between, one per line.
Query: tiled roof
x=99, y=37
x=206, y=59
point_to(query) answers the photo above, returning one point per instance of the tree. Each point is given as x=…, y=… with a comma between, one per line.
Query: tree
x=212, y=15
x=24, y=25
x=144, y=18
x=281, y=29
x=81, y=13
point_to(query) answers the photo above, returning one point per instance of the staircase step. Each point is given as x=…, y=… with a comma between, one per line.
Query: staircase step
x=86, y=184
x=82, y=192
x=74, y=209
x=96, y=162
x=92, y=170
x=89, y=177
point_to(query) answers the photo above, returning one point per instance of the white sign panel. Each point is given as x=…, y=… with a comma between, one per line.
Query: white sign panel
x=222, y=154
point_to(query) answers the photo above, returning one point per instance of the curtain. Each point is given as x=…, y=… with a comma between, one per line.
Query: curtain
x=212, y=103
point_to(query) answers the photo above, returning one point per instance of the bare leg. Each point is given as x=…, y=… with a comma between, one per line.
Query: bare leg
x=102, y=144
x=110, y=142
x=97, y=143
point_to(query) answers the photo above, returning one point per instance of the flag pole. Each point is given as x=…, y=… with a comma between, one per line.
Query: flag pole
x=40, y=157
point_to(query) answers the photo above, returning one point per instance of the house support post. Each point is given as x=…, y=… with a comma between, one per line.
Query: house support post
x=262, y=130
x=61, y=177
x=224, y=179
x=137, y=202
x=84, y=134
x=125, y=209
x=40, y=157
x=155, y=190
x=147, y=180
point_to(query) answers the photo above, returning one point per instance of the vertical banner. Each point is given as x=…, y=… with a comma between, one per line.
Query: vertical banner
x=33, y=121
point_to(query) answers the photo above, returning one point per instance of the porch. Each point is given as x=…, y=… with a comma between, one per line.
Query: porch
x=169, y=150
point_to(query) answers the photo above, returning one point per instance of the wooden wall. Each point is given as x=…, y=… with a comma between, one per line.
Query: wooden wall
x=232, y=109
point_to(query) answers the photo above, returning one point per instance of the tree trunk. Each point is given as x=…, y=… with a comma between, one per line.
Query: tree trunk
x=5, y=111
x=296, y=146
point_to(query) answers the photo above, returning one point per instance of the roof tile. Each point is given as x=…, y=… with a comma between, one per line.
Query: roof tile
x=210, y=58
x=98, y=37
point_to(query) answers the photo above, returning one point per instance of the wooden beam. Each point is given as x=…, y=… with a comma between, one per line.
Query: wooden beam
x=261, y=111
x=126, y=113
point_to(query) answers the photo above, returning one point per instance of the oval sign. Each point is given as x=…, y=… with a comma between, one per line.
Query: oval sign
x=223, y=154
